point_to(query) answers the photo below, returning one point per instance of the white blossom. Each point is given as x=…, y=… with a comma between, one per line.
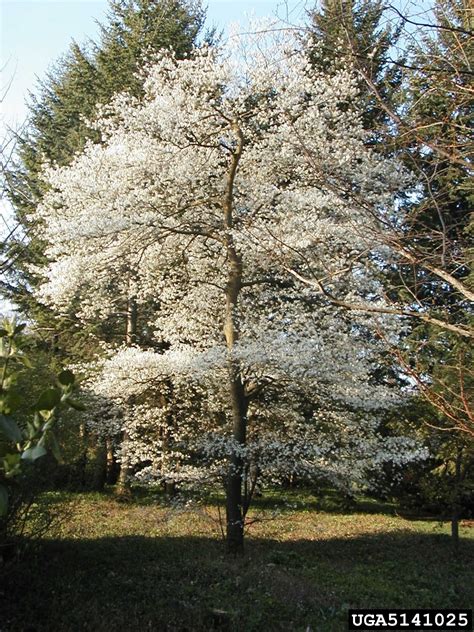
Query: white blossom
x=141, y=213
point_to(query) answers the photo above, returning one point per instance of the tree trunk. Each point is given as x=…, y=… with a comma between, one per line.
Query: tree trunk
x=455, y=527
x=132, y=316
x=456, y=500
x=164, y=397
x=239, y=403
x=111, y=465
x=234, y=500
x=123, y=482
x=100, y=466
x=81, y=463
x=170, y=488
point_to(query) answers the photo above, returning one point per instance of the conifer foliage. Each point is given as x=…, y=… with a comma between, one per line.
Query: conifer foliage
x=354, y=33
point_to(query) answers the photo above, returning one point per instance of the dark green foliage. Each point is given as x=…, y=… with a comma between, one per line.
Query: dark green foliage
x=437, y=145
x=420, y=105
x=138, y=27
x=443, y=485
x=351, y=34
x=93, y=73
x=29, y=408
x=435, y=142
x=25, y=431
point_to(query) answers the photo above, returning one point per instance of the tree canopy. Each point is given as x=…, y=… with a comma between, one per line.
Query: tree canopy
x=197, y=196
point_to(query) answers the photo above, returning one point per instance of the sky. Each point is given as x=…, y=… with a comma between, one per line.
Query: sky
x=35, y=33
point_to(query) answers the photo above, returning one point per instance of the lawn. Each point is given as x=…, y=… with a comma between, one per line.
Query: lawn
x=141, y=565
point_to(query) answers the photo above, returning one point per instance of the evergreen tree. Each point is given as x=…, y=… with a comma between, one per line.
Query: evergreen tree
x=437, y=141
x=431, y=126
x=437, y=146
x=351, y=33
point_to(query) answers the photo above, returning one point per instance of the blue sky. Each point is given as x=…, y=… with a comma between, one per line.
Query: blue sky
x=35, y=33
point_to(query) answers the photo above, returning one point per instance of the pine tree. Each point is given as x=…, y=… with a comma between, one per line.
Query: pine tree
x=438, y=137
x=351, y=33
x=437, y=145
x=431, y=126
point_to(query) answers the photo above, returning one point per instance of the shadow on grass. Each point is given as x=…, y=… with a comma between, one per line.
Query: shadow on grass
x=138, y=583
x=326, y=499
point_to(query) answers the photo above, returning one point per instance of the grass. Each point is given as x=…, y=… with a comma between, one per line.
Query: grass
x=141, y=566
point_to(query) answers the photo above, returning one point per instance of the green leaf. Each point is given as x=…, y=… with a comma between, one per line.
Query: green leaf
x=19, y=328
x=4, y=348
x=47, y=426
x=3, y=332
x=8, y=382
x=55, y=449
x=11, y=464
x=9, y=402
x=34, y=453
x=25, y=361
x=8, y=324
x=42, y=441
x=66, y=377
x=3, y=501
x=11, y=460
x=10, y=429
x=73, y=403
x=33, y=427
x=49, y=399
x=44, y=415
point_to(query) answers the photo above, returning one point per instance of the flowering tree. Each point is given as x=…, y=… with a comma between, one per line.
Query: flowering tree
x=199, y=191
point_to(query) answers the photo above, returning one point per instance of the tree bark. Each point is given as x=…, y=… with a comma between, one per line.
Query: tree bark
x=239, y=402
x=132, y=317
x=111, y=464
x=82, y=461
x=234, y=500
x=100, y=469
x=123, y=482
x=456, y=499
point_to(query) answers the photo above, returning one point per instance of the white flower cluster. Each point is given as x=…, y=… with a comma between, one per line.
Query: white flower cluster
x=231, y=168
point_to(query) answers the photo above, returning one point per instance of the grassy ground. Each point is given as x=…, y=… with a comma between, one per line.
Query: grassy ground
x=141, y=566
